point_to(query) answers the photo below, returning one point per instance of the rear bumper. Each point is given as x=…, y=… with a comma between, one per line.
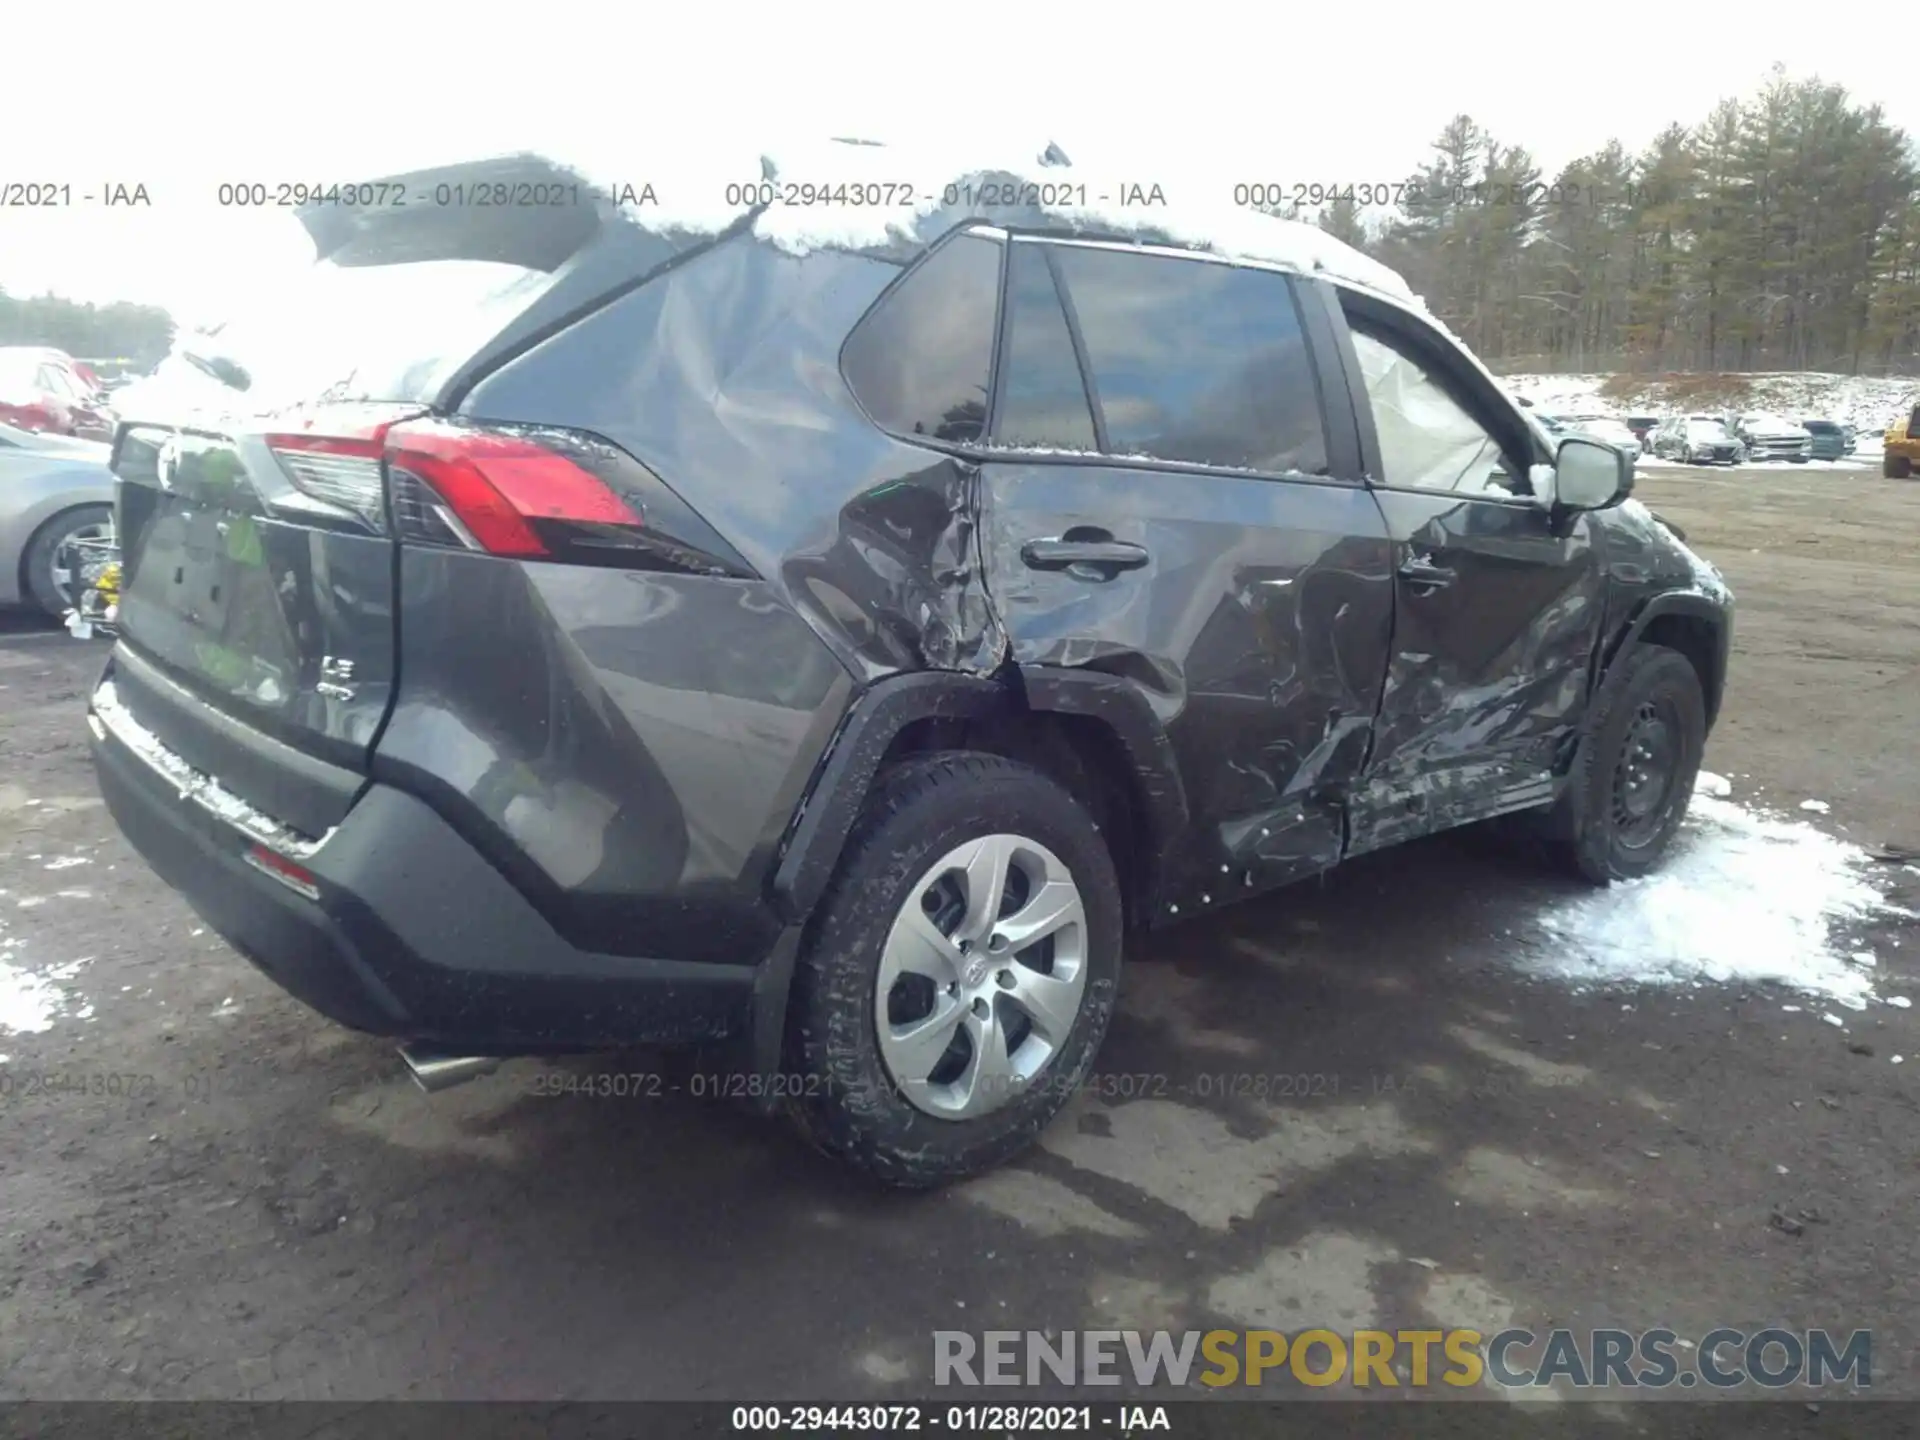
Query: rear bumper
x=413, y=934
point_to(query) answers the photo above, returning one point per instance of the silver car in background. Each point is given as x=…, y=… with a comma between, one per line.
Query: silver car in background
x=1609, y=428
x=56, y=505
x=1698, y=440
x=1772, y=437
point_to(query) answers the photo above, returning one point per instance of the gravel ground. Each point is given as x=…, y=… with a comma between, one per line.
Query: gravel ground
x=211, y=1192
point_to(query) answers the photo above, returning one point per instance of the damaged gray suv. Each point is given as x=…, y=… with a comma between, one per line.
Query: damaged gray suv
x=656, y=636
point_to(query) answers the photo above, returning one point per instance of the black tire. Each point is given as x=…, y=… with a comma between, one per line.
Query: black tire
x=1896, y=467
x=1606, y=843
x=845, y=1099
x=37, y=566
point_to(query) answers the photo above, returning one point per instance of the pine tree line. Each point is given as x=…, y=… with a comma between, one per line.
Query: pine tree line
x=1781, y=233
x=142, y=333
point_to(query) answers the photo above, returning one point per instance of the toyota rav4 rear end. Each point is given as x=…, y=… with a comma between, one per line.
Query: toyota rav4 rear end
x=457, y=719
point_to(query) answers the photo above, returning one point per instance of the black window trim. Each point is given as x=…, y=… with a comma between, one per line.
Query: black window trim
x=1089, y=385
x=1002, y=339
x=1437, y=356
x=1002, y=325
x=1336, y=370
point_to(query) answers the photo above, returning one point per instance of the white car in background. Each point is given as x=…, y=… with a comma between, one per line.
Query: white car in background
x=1609, y=428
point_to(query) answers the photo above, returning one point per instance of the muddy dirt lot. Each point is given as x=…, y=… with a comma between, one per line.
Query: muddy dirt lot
x=1351, y=1104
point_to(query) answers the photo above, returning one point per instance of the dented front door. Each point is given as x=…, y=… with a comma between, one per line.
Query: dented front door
x=1498, y=598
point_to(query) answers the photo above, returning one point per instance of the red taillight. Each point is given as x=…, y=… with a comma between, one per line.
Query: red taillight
x=296, y=878
x=515, y=491
x=497, y=484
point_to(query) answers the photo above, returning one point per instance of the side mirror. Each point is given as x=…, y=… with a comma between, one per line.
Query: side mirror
x=1591, y=475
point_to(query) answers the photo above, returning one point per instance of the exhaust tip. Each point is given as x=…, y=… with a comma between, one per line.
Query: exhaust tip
x=433, y=1071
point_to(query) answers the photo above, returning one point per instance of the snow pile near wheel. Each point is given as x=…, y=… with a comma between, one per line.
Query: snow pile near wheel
x=1744, y=896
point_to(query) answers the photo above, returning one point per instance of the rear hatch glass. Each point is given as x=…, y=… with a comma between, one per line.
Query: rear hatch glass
x=391, y=332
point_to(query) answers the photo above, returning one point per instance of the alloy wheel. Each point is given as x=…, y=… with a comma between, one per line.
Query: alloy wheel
x=80, y=559
x=981, y=976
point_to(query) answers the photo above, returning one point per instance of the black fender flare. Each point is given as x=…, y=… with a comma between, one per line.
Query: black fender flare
x=840, y=784
x=1695, y=604
x=879, y=713
x=1118, y=704
x=844, y=776
x=826, y=818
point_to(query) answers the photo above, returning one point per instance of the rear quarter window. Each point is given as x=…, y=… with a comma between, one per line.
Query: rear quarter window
x=919, y=361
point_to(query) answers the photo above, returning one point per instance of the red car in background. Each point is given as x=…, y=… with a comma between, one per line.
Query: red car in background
x=45, y=389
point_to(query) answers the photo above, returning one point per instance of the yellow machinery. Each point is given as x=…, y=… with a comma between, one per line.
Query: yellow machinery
x=1903, y=447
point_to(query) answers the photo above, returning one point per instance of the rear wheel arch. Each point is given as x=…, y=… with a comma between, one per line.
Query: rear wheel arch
x=864, y=743
x=1093, y=733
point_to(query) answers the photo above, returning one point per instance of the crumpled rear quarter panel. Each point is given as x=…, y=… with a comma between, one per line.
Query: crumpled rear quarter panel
x=723, y=376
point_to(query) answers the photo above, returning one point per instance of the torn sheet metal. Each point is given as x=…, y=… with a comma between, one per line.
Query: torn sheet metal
x=722, y=376
x=1256, y=630
x=1489, y=671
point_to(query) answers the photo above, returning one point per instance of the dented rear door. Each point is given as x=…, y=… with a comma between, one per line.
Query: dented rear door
x=1176, y=520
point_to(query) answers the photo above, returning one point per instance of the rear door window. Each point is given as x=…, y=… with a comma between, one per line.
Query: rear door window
x=1197, y=361
x=1043, y=397
x=919, y=361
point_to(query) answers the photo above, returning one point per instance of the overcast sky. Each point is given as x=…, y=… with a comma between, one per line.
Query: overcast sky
x=180, y=97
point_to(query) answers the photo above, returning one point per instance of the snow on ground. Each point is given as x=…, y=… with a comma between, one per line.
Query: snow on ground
x=30, y=1002
x=1866, y=402
x=1860, y=460
x=1746, y=896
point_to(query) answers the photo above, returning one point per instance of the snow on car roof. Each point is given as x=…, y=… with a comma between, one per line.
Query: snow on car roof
x=906, y=187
